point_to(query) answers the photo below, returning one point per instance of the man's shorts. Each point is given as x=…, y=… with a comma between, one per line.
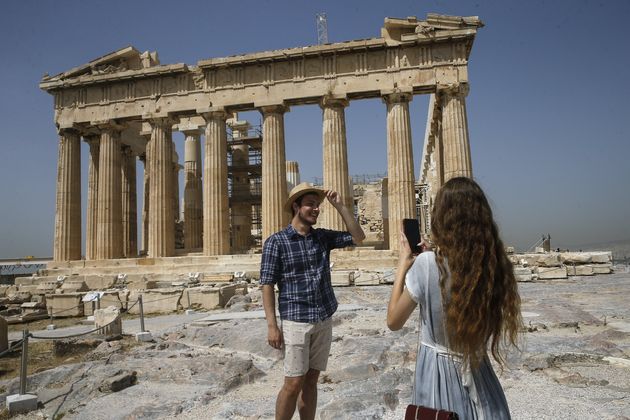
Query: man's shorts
x=306, y=346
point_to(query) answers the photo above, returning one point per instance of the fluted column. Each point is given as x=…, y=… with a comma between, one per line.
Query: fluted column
x=92, y=198
x=161, y=225
x=145, y=203
x=109, y=212
x=455, y=141
x=335, y=156
x=129, y=203
x=176, y=168
x=293, y=174
x=216, y=240
x=67, y=244
x=400, y=173
x=274, y=178
x=193, y=195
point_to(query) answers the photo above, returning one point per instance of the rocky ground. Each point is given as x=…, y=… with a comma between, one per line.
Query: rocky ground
x=574, y=363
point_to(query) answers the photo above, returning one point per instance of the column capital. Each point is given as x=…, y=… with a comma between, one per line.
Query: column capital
x=272, y=108
x=159, y=120
x=70, y=131
x=397, y=97
x=455, y=89
x=330, y=101
x=190, y=131
x=215, y=114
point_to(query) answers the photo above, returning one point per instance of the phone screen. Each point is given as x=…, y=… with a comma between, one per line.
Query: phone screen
x=411, y=228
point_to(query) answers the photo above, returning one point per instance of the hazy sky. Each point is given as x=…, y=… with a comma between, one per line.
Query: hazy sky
x=548, y=109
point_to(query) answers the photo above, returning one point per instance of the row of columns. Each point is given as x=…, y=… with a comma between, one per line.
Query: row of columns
x=111, y=223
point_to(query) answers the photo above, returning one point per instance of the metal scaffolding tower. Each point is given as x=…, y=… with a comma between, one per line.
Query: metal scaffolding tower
x=322, y=28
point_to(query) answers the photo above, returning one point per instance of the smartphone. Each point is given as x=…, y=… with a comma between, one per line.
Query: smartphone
x=411, y=228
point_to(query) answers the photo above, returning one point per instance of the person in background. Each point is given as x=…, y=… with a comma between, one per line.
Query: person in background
x=469, y=304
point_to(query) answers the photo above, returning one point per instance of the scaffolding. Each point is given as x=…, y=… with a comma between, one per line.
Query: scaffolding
x=245, y=185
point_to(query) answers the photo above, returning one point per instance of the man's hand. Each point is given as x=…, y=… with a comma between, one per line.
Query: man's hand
x=274, y=337
x=334, y=198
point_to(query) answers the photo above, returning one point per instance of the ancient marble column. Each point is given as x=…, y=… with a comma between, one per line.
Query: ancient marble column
x=293, y=174
x=109, y=237
x=67, y=245
x=335, y=156
x=161, y=224
x=400, y=173
x=274, y=178
x=193, y=195
x=455, y=142
x=176, y=168
x=216, y=240
x=145, y=202
x=129, y=203
x=92, y=198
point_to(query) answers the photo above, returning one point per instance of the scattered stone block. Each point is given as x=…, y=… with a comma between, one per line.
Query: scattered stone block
x=217, y=277
x=3, y=289
x=144, y=337
x=204, y=297
x=74, y=286
x=108, y=320
x=342, y=278
x=64, y=305
x=548, y=260
x=157, y=301
x=522, y=271
x=572, y=258
x=367, y=279
x=19, y=297
x=28, y=288
x=602, y=268
x=583, y=270
x=226, y=292
x=100, y=282
x=24, y=403
x=601, y=257
x=47, y=287
x=33, y=308
x=23, y=281
x=548, y=273
x=111, y=298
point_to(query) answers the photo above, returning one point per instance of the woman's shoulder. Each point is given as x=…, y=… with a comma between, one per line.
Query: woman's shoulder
x=426, y=258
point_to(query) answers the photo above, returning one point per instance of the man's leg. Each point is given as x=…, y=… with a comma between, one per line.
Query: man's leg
x=288, y=396
x=296, y=359
x=319, y=349
x=307, y=402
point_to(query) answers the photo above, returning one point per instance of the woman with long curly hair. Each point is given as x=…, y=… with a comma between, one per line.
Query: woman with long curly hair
x=469, y=305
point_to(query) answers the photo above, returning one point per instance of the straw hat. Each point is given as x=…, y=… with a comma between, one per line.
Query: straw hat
x=300, y=190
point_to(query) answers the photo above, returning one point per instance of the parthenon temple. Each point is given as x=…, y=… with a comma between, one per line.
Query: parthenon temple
x=125, y=106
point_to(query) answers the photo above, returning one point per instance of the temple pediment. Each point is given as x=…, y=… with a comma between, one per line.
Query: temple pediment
x=122, y=60
x=397, y=30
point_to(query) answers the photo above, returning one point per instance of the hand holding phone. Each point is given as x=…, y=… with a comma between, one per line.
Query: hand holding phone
x=411, y=229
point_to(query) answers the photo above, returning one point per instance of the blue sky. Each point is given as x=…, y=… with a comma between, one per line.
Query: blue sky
x=548, y=107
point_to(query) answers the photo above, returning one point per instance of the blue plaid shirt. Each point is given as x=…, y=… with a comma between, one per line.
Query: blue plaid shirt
x=300, y=265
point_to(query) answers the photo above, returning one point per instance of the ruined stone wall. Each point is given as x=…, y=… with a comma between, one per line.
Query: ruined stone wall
x=367, y=198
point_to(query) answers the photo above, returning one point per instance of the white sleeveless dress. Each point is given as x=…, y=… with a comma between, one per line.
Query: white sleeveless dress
x=440, y=380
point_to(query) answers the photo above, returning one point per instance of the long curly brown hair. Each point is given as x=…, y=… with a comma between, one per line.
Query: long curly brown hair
x=479, y=291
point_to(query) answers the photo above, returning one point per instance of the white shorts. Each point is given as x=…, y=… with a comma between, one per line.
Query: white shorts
x=306, y=346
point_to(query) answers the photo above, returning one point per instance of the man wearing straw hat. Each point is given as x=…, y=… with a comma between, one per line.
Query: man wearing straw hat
x=297, y=260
